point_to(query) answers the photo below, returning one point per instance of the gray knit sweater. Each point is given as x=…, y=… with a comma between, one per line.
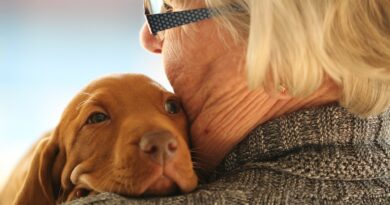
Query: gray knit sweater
x=322, y=155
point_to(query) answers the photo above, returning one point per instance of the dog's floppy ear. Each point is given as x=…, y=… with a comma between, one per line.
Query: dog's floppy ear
x=40, y=185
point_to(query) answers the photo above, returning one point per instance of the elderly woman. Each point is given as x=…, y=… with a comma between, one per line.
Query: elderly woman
x=286, y=98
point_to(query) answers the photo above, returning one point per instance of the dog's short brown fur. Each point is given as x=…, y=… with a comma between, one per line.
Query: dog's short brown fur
x=141, y=148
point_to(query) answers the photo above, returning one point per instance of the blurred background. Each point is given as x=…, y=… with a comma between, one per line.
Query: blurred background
x=49, y=50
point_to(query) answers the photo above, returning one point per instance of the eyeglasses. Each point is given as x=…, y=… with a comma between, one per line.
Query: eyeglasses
x=160, y=16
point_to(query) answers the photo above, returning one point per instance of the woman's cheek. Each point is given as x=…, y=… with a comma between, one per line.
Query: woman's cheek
x=177, y=45
x=176, y=54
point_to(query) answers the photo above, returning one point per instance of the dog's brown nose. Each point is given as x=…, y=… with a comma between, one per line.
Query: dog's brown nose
x=160, y=146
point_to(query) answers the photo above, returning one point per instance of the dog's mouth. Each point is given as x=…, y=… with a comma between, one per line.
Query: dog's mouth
x=163, y=185
x=158, y=185
x=164, y=181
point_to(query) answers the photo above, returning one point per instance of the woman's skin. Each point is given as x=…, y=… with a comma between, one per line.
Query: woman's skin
x=210, y=78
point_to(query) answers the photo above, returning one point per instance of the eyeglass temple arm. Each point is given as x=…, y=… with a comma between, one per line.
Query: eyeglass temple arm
x=163, y=21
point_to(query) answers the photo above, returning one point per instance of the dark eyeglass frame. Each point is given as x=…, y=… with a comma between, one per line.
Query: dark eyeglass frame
x=163, y=21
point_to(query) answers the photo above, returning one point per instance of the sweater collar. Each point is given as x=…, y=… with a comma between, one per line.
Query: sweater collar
x=327, y=125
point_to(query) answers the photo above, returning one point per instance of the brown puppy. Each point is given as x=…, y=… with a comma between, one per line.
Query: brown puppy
x=122, y=134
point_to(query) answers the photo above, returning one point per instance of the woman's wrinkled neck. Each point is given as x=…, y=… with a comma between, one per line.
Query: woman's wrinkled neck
x=222, y=110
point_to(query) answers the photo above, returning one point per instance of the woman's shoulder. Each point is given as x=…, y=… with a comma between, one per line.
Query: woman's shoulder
x=264, y=186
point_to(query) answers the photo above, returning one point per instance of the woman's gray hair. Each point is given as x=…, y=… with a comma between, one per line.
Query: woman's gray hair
x=301, y=42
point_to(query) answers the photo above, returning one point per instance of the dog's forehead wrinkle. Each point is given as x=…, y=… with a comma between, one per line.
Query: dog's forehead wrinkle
x=89, y=99
x=88, y=94
x=100, y=97
x=85, y=103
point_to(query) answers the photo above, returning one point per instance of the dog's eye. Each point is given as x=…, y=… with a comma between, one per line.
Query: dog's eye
x=172, y=107
x=97, y=117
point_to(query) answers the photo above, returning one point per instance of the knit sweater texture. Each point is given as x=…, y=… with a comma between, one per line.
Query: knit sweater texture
x=323, y=155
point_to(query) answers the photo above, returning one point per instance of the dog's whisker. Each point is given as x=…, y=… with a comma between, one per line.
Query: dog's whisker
x=194, y=149
x=199, y=168
x=199, y=160
x=101, y=182
x=196, y=156
x=200, y=164
x=59, y=194
x=197, y=165
x=200, y=150
x=132, y=186
x=111, y=187
x=194, y=152
x=62, y=193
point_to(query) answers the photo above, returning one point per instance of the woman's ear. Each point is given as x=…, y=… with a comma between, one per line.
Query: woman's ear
x=40, y=186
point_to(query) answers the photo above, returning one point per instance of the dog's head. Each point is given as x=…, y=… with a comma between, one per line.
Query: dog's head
x=122, y=134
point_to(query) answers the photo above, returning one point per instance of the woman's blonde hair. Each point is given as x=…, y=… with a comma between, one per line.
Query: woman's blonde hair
x=300, y=42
